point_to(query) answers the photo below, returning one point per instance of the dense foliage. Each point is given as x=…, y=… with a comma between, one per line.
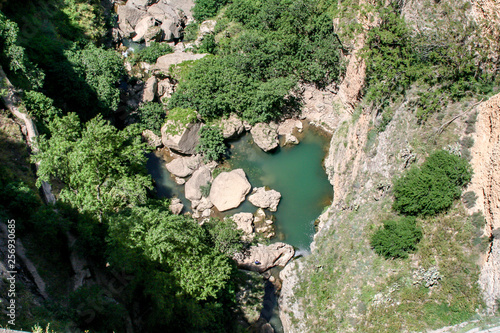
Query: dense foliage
x=102, y=168
x=100, y=70
x=13, y=56
x=275, y=45
x=396, y=238
x=445, y=60
x=205, y=9
x=151, y=53
x=151, y=116
x=432, y=187
x=211, y=144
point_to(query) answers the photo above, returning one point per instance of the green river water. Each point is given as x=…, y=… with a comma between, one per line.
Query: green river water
x=295, y=171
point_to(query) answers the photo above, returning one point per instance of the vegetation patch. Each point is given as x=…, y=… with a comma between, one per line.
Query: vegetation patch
x=396, y=238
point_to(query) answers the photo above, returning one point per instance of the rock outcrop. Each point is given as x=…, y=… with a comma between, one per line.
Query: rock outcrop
x=486, y=184
x=165, y=89
x=185, y=141
x=200, y=177
x=260, y=258
x=263, y=198
x=164, y=62
x=142, y=28
x=244, y=221
x=265, y=136
x=184, y=166
x=229, y=189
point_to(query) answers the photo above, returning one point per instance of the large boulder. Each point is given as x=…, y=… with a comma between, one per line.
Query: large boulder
x=232, y=127
x=265, y=136
x=289, y=126
x=200, y=177
x=154, y=34
x=128, y=17
x=183, y=141
x=150, y=88
x=263, y=198
x=244, y=221
x=260, y=258
x=184, y=166
x=142, y=28
x=140, y=4
x=229, y=189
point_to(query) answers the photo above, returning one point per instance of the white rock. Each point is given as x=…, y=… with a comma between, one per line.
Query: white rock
x=229, y=189
x=200, y=177
x=277, y=254
x=176, y=206
x=184, y=166
x=263, y=198
x=185, y=141
x=244, y=221
x=265, y=136
x=142, y=27
x=149, y=93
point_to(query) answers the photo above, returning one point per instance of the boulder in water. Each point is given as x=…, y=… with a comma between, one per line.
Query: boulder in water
x=260, y=258
x=263, y=198
x=244, y=221
x=265, y=136
x=200, y=177
x=184, y=166
x=184, y=140
x=229, y=189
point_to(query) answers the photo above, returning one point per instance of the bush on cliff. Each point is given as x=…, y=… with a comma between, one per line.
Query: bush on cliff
x=396, y=238
x=432, y=187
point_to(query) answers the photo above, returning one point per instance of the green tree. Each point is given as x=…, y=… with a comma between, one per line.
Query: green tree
x=211, y=144
x=42, y=109
x=103, y=169
x=205, y=9
x=100, y=70
x=225, y=235
x=151, y=53
x=13, y=56
x=431, y=188
x=152, y=116
x=396, y=238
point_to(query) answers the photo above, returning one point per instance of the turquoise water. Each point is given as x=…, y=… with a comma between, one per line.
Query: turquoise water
x=297, y=173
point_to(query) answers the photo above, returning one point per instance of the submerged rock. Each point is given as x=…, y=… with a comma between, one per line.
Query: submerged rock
x=265, y=136
x=184, y=166
x=265, y=198
x=260, y=258
x=229, y=189
x=200, y=177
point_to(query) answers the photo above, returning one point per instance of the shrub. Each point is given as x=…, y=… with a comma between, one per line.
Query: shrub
x=467, y=142
x=204, y=9
x=205, y=190
x=431, y=188
x=151, y=53
x=151, y=116
x=396, y=238
x=211, y=144
x=470, y=199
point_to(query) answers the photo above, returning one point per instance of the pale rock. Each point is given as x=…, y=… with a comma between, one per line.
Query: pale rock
x=200, y=177
x=165, y=88
x=154, y=34
x=149, y=93
x=151, y=138
x=185, y=141
x=164, y=62
x=180, y=181
x=206, y=213
x=140, y=4
x=265, y=136
x=244, y=221
x=128, y=18
x=184, y=166
x=229, y=189
x=176, y=206
x=142, y=27
x=291, y=139
x=277, y=254
x=232, y=127
x=289, y=126
x=263, y=198
x=207, y=27
x=204, y=204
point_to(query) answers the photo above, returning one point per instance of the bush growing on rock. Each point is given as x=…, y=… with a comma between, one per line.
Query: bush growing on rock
x=152, y=53
x=396, y=238
x=151, y=116
x=211, y=144
x=432, y=187
x=204, y=9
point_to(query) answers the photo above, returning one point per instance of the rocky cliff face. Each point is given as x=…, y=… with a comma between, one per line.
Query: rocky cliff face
x=486, y=184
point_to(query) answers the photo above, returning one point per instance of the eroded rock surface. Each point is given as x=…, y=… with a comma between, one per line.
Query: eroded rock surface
x=244, y=221
x=263, y=198
x=260, y=258
x=185, y=141
x=265, y=136
x=184, y=166
x=200, y=177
